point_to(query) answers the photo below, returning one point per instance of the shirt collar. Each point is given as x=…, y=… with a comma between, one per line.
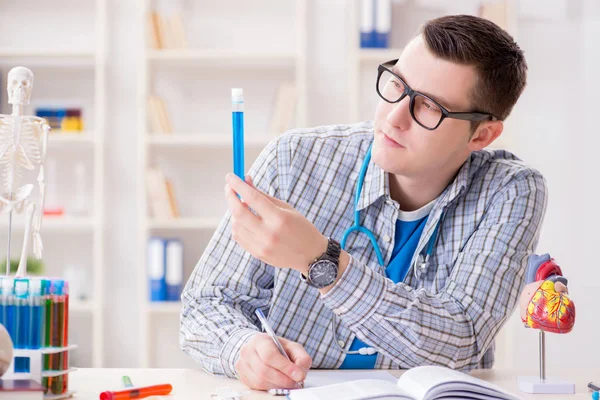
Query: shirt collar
x=376, y=185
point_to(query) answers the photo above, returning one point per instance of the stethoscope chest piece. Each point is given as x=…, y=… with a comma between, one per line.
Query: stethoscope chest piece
x=421, y=265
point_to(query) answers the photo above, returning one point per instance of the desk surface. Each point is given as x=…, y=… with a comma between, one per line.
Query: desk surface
x=196, y=384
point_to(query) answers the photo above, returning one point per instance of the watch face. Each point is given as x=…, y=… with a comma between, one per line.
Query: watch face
x=323, y=273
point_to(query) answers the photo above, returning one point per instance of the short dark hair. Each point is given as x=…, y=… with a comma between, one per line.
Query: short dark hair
x=498, y=60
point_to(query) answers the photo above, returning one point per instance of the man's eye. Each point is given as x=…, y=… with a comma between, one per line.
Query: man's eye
x=429, y=106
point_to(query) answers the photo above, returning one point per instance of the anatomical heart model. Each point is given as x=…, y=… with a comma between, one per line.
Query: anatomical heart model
x=545, y=305
x=23, y=141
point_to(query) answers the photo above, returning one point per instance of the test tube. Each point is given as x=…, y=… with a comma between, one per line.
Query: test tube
x=66, y=327
x=57, y=337
x=47, y=305
x=36, y=333
x=9, y=307
x=22, y=322
x=237, y=116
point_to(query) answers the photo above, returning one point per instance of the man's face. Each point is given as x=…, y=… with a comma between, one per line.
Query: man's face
x=402, y=146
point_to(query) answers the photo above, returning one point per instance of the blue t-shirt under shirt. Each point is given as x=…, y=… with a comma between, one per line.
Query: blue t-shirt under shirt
x=406, y=238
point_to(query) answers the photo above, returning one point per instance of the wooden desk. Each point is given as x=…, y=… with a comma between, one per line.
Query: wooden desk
x=196, y=384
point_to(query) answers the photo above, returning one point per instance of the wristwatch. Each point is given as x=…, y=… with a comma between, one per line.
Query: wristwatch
x=324, y=270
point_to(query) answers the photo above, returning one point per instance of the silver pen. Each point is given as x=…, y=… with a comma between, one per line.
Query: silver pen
x=271, y=333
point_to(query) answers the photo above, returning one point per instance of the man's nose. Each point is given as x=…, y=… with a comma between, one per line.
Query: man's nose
x=399, y=115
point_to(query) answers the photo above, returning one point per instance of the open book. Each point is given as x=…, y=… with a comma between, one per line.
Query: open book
x=420, y=383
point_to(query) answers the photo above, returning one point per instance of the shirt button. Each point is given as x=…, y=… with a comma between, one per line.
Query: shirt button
x=341, y=343
x=387, y=238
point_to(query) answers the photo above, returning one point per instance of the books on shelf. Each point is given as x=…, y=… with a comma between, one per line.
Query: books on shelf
x=158, y=115
x=161, y=196
x=283, y=109
x=495, y=11
x=166, y=31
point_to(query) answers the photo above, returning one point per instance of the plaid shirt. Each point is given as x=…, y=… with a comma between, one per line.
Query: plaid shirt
x=493, y=211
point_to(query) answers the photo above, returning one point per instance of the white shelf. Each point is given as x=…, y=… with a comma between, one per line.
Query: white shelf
x=221, y=56
x=164, y=307
x=42, y=53
x=68, y=138
x=379, y=55
x=67, y=223
x=204, y=140
x=158, y=67
x=52, y=60
x=184, y=224
x=53, y=224
x=81, y=307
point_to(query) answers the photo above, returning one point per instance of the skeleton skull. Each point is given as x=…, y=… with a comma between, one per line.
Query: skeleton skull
x=19, y=85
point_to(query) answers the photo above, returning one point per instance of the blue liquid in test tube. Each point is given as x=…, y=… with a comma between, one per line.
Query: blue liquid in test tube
x=22, y=311
x=237, y=116
x=37, y=314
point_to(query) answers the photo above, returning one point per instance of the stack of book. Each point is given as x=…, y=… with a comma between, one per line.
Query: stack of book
x=166, y=32
x=161, y=196
x=63, y=119
x=158, y=115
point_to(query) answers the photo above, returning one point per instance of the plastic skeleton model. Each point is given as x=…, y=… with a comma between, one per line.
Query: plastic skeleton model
x=23, y=141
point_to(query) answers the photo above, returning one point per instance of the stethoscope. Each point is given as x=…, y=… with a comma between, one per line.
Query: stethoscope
x=420, y=265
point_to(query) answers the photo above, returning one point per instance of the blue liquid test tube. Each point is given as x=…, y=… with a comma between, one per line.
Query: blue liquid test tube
x=237, y=117
x=36, y=314
x=22, y=311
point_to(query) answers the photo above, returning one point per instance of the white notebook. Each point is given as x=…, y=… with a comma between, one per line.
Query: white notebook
x=421, y=383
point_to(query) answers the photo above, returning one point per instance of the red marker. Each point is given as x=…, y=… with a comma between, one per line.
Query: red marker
x=137, y=393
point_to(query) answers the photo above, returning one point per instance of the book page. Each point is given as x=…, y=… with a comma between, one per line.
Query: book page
x=430, y=381
x=354, y=390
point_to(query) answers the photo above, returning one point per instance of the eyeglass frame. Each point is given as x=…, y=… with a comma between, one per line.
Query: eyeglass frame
x=465, y=116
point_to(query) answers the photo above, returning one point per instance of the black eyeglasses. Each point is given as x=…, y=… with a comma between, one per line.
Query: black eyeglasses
x=424, y=110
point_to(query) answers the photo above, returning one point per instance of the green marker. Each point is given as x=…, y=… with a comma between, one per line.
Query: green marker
x=127, y=381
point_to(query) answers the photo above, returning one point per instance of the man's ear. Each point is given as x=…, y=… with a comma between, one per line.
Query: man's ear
x=485, y=134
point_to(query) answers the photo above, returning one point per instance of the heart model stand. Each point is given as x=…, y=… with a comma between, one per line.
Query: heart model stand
x=546, y=306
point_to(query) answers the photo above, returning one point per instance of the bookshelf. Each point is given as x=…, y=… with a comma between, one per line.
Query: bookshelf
x=192, y=143
x=407, y=17
x=70, y=70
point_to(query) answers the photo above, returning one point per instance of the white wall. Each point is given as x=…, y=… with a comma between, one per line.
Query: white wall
x=552, y=126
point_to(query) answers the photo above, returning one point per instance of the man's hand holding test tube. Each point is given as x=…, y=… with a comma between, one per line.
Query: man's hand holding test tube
x=265, y=362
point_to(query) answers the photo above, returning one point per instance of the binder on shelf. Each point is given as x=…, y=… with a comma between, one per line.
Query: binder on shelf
x=283, y=108
x=367, y=24
x=174, y=269
x=383, y=23
x=156, y=269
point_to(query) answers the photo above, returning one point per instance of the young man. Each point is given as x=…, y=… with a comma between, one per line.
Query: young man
x=446, y=227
